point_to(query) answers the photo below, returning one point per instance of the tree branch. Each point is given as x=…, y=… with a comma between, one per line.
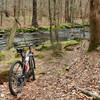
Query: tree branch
x=88, y=93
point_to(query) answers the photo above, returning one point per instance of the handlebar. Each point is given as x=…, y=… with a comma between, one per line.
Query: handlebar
x=21, y=48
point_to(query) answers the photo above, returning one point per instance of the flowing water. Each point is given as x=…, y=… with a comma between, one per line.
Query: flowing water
x=40, y=36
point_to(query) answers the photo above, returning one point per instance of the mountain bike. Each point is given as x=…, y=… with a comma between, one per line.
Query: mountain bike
x=21, y=70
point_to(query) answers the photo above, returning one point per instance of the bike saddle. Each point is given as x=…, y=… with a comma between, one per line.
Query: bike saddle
x=20, y=50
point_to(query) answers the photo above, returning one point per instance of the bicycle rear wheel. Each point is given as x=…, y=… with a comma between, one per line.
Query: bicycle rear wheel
x=32, y=67
x=16, y=79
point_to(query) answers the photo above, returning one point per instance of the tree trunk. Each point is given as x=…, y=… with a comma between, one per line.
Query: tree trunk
x=34, y=17
x=12, y=35
x=94, y=24
x=14, y=8
x=1, y=11
x=14, y=28
x=50, y=19
x=67, y=11
x=55, y=20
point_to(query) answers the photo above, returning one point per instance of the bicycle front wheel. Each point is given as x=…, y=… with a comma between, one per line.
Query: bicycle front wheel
x=16, y=79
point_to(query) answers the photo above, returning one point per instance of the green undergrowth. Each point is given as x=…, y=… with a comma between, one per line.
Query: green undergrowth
x=2, y=55
x=10, y=61
x=32, y=29
x=39, y=56
x=7, y=55
x=26, y=29
x=73, y=25
x=56, y=48
x=48, y=46
x=44, y=28
x=67, y=25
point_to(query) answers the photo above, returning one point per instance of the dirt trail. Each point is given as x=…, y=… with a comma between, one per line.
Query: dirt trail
x=54, y=83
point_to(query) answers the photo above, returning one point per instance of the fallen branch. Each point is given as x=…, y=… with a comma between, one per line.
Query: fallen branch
x=88, y=93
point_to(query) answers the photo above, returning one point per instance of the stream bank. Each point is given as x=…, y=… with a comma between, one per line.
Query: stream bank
x=40, y=35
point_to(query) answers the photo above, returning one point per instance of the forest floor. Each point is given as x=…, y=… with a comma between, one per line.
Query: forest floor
x=54, y=82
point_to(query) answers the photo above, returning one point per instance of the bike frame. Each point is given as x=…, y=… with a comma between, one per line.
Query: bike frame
x=24, y=55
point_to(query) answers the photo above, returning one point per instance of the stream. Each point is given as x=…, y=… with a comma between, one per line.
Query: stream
x=41, y=36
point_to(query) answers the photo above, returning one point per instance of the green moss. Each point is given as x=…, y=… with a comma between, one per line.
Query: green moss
x=70, y=25
x=73, y=25
x=7, y=30
x=20, y=30
x=2, y=55
x=39, y=56
x=62, y=25
x=44, y=28
x=55, y=47
x=69, y=42
x=26, y=29
x=10, y=61
x=86, y=24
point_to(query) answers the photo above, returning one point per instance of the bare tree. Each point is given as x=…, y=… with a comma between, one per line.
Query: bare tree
x=14, y=28
x=15, y=8
x=55, y=19
x=50, y=19
x=34, y=17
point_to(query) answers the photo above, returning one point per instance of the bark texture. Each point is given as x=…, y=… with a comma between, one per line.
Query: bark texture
x=94, y=24
x=34, y=17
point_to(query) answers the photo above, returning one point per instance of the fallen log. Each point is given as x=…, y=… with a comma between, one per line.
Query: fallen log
x=88, y=93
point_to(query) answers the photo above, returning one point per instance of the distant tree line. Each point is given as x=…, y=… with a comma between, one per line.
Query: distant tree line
x=36, y=11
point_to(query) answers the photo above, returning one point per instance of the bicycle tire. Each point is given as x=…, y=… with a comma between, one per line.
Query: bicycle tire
x=12, y=91
x=32, y=66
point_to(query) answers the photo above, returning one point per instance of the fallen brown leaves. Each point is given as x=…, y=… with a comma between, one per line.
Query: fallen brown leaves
x=84, y=73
